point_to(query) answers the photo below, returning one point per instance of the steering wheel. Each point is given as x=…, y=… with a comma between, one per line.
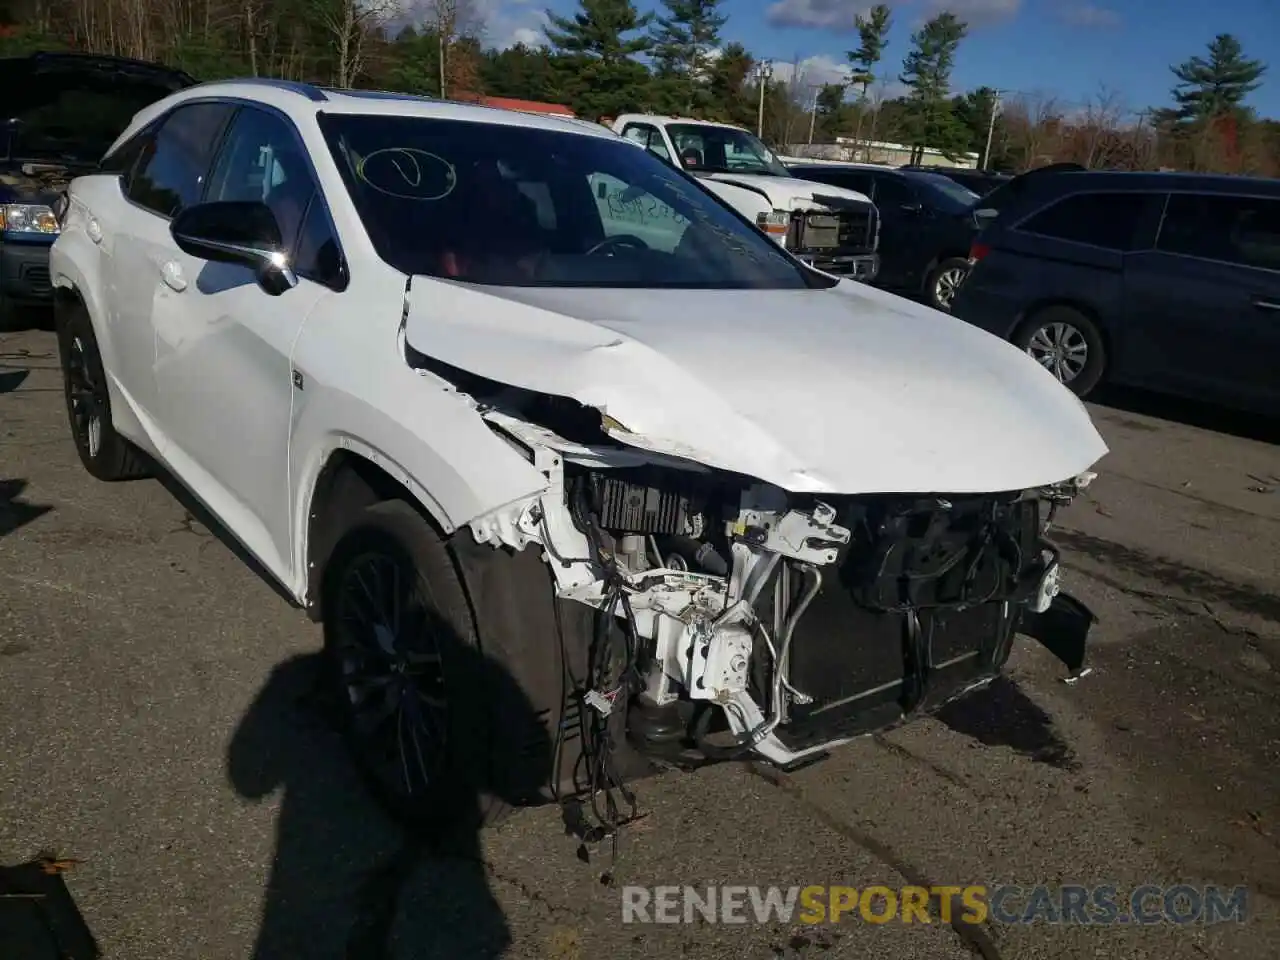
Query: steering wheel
x=622, y=241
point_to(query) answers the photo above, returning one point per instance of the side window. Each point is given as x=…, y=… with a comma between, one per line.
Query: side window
x=692, y=149
x=1107, y=220
x=262, y=160
x=636, y=133
x=861, y=182
x=892, y=192
x=1239, y=230
x=316, y=255
x=649, y=138
x=630, y=211
x=170, y=174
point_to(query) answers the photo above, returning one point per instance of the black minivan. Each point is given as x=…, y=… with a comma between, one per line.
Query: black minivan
x=1165, y=281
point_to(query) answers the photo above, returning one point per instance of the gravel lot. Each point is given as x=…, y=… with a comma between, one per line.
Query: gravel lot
x=156, y=724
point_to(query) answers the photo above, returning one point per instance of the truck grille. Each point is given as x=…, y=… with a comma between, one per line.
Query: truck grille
x=837, y=232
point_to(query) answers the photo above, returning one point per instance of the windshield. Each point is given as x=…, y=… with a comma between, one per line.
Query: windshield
x=947, y=195
x=521, y=206
x=708, y=149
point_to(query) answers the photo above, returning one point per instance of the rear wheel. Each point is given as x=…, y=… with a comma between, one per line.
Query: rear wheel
x=403, y=656
x=943, y=282
x=103, y=452
x=1067, y=344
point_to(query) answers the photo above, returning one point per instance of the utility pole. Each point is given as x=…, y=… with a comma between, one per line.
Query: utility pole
x=991, y=127
x=813, y=115
x=765, y=72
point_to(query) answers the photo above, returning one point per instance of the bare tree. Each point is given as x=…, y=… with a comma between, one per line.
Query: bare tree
x=452, y=21
x=1034, y=122
x=873, y=100
x=349, y=23
x=1102, y=117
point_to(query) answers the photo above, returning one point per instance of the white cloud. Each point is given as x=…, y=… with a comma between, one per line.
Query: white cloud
x=1087, y=15
x=812, y=73
x=513, y=21
x=841, y=16
x=503, y=23
x=529, y=36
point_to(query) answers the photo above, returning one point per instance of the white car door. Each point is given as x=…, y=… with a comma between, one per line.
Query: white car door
x=224, y=345
x=168, y=174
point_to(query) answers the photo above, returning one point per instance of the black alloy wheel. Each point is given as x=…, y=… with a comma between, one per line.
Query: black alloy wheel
x=392, y=673
x=103, y=452
x=415, y=692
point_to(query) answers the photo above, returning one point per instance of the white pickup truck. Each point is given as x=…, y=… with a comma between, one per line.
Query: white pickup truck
x=833, y=229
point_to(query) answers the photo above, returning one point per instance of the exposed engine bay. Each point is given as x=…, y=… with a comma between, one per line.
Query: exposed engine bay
x=740, y=619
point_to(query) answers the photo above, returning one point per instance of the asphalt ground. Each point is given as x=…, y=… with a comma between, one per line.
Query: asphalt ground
x=158, y=724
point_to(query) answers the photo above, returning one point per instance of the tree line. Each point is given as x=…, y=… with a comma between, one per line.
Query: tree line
x=608, y=58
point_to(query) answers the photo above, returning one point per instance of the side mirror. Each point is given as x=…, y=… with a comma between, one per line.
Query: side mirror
x=242, y=232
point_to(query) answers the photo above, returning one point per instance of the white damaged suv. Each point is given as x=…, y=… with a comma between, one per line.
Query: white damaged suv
x=570, y=499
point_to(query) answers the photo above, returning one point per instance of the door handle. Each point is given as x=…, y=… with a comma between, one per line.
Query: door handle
x=1265, y=303
x=171, y=273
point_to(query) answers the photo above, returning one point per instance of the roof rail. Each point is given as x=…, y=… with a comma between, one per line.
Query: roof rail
x=307, y=90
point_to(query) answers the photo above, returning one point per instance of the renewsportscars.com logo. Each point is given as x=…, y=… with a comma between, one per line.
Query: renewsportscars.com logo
x=977, y=903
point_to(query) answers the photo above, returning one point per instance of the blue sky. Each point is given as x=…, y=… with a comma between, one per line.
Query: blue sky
x=1067, y=49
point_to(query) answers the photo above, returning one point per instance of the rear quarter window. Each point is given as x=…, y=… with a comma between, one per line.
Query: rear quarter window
x=1101, y=219
x=1229, y=229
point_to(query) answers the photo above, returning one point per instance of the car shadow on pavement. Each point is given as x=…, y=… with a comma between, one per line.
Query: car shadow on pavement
x=1194, y=413
x=347, y=882
x=14, y=511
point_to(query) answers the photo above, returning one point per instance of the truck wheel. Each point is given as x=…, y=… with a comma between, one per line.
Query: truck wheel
x=416, y=694
x=1067, y=344
x=103, y=452
x=944, y=280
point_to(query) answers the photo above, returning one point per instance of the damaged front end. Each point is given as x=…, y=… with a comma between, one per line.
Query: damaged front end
x=736, y=618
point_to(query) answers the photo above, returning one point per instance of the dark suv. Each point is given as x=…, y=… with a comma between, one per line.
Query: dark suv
x=926, y=225
x=981, y=182
x=62, y=111
x=1165, y=281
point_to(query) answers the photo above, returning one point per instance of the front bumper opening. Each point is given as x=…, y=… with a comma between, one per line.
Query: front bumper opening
x=24, y=273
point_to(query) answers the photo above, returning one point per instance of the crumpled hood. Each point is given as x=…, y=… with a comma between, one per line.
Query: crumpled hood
x=845, y=390
x=788, y=193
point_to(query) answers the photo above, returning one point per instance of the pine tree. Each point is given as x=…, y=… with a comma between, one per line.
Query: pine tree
x=873, y=34
x=609, y=80
x=927, y=73
x=683, y=45
x=731, y=101
x=1217, y=85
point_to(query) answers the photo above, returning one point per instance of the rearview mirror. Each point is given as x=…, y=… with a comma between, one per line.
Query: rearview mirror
x=242, y=232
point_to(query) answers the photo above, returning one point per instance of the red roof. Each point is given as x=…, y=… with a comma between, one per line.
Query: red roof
x=528, y=106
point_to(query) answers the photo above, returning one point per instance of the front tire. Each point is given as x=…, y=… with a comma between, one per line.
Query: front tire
x=104, y=453
x=1067, y=344
x=403, y=656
